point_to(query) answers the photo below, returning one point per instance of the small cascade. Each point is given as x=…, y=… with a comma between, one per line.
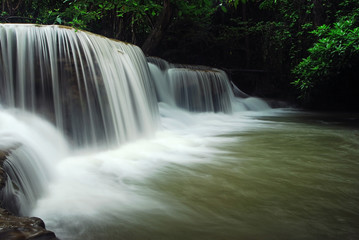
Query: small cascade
x=237, y=92
x=97, y=91
x=162, y=64
x=35, y=146
x=194, y=88
x=162, y=84
x=201, y=91
x=199, y=88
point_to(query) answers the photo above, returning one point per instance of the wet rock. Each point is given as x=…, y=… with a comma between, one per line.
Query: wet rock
x=18, y=228
x=14, y=227
x=2, y=172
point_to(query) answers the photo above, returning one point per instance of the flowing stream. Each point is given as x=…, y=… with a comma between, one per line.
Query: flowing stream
x=268, y=175
x=97, y=157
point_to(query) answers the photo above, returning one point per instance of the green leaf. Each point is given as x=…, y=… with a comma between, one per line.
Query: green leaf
x=224, y=9
x=58, y=20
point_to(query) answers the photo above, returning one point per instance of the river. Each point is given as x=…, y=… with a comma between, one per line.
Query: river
x=108, y=144
x=276, y=174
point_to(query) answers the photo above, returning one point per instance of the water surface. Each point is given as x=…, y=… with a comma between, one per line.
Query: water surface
x=278, y=174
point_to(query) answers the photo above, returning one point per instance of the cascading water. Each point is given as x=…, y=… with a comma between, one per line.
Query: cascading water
x=99, y=94
x=199, y=88
x=36, y=146
x=201, y=91
x=95, y=90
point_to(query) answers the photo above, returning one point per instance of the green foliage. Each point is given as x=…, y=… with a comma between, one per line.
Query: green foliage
x=196, y=10
x=332, y=54
x=236, y=3
x=274, y=36
x=83, y=13
x=78, y=14
x=306, y=42
x=267, y=4
x=111, y=18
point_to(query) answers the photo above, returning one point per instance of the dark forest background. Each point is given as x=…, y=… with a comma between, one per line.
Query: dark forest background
x=302, y=51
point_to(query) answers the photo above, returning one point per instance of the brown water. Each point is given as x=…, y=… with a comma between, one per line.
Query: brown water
x=291, y=175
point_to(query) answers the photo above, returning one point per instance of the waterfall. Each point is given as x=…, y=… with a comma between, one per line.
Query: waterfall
x=95, y=90
x=199, y=88
x=194, y=88
x=62, y=87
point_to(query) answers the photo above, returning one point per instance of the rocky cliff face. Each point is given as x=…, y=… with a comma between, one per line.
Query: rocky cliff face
x=15, y=227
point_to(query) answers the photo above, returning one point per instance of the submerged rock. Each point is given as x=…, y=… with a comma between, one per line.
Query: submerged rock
x=18, y=228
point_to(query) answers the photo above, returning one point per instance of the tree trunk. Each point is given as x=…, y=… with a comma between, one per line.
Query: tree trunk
x=12, y=7
x=161, y=25
x=120, y=26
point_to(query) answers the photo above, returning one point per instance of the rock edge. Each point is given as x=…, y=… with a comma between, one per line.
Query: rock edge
x=15, y=227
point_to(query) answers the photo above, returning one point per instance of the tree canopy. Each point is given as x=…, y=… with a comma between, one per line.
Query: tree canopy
x=308, y=48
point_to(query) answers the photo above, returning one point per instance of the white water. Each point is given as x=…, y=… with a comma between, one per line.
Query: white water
x=101, y=101
x=96, y=90
x=193, y=88
x=68, y=188
x=95, y=188
x=36, y=147
x=199, y=89
x=205, y=176
x=162, y=172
